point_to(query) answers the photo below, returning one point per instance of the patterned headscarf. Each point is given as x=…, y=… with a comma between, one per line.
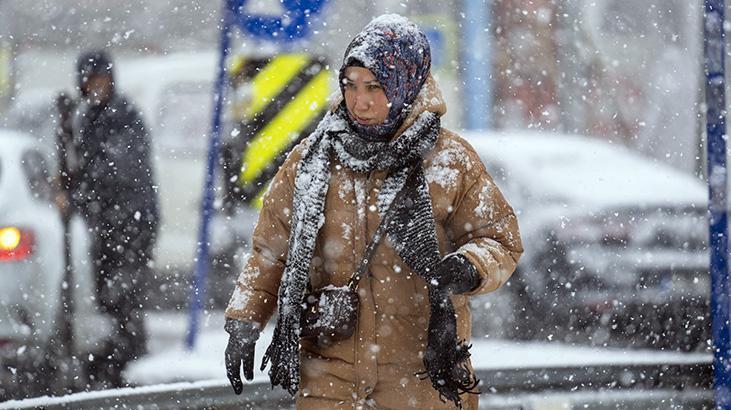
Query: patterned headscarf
x=397, y=52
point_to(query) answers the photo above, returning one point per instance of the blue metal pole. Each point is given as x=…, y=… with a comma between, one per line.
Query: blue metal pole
x=201, y=263
x=477, y=59
x=714, y=51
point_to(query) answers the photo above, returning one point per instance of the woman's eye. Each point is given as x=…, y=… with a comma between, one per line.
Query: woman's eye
x=373, y=87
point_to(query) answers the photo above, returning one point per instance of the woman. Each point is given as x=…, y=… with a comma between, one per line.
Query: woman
x=453, y=235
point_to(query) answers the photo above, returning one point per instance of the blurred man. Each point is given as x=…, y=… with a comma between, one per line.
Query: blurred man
x=112, y=186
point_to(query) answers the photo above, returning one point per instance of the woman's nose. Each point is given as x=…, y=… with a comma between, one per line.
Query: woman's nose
x=362, y=102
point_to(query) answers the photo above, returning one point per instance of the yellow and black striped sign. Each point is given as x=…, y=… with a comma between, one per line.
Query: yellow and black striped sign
x=286, y=96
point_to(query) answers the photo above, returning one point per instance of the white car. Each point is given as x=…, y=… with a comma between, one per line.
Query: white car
x=32, y=267
x=615, y=244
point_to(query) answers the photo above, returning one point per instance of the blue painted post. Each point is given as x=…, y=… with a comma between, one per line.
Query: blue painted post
x=714, y=49
x=201, y=264
x=477, y=60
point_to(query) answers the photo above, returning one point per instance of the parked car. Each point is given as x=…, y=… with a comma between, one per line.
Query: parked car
x=32, y=273
x=615, y=245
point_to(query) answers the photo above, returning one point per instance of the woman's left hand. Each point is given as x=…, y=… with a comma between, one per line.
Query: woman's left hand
x=455, y=274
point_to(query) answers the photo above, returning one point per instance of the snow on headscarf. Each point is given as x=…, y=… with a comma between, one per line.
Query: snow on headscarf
x=397, y=52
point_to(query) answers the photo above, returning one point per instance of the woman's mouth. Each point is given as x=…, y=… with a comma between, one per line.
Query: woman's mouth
x=362, y=120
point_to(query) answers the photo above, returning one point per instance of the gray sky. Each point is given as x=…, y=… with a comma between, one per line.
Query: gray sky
x=80, y=24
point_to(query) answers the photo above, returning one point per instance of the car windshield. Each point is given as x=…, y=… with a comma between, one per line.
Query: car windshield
x=34, y=114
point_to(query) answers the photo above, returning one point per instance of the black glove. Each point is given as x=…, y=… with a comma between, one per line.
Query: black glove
x=455, y=274
x=240, y=351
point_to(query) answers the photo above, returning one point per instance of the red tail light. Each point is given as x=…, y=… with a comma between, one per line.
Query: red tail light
x=16, y=244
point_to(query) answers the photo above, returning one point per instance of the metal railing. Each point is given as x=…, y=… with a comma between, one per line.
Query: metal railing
x=642, y=386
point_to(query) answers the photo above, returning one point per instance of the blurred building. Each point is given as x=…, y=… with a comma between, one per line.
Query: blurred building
x=525, y=64
x=629, y=71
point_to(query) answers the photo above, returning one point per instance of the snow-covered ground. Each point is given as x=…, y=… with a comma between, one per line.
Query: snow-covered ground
x=169, y=361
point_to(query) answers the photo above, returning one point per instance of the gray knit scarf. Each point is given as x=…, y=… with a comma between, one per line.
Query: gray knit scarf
x=412, y=232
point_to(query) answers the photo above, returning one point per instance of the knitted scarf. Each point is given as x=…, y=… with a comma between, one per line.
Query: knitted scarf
x=412, y=231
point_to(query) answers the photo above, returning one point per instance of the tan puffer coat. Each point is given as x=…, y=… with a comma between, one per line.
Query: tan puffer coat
x=376, y=367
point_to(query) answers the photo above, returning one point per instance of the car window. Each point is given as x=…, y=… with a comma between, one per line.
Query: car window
x=183, y=118
x=37, y=175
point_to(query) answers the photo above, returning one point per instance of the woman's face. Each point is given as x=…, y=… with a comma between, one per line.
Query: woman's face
x=364, y=97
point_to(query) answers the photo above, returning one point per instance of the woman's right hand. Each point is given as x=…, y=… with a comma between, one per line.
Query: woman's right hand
x=240, y=351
